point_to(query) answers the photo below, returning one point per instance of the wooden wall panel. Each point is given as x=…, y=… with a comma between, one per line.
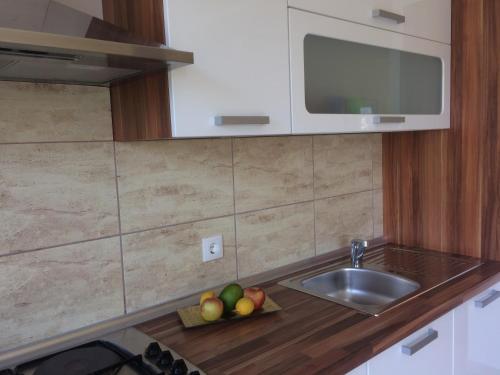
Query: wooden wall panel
x=140, y=106
x=461, y=145
x=414, y=188
x=491, y=179
x=441, y=188
x=142, y=17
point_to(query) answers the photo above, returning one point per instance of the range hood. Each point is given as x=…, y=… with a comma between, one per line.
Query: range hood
x=46, y=41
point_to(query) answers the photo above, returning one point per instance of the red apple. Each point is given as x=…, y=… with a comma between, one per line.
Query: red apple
x=211, y=309
x=257, y=295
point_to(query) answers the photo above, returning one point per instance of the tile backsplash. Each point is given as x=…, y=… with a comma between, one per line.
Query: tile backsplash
x=93, y=229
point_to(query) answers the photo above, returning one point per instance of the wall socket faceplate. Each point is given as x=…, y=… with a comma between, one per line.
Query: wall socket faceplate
x=212, y=248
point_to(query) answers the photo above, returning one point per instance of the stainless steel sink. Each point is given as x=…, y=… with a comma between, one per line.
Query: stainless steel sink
x=388, y=277
x=363, y=289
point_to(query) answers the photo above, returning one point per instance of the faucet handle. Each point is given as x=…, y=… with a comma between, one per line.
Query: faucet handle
x=359, y=243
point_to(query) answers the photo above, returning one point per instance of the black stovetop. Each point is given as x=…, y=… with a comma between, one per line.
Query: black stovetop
x=125, y=352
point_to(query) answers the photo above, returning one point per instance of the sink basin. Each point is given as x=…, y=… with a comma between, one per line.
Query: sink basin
x=388, y=277
x=363, y=289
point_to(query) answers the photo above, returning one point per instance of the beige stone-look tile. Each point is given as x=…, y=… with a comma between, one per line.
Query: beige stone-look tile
x=274, y=237
x=53, y=194
x=34, y=112
x=341, y=219
x=343, y=163
x=377, y=163
x=164, y=264
x=169, y=182
x=272, y=171
x=378, y=213
x=56, y=290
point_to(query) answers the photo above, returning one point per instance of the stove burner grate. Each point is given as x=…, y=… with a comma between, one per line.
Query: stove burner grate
x=94, y=358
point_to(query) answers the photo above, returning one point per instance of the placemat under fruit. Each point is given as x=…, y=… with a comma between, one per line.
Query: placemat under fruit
x=191, y=316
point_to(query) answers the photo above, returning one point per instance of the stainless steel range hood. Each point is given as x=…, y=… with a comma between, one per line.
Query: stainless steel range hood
x=45, y=41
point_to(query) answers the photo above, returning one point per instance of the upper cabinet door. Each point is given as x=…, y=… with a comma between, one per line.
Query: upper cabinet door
x=239, y=82
x=347, y=78
x=429, y=19
x=477, y=334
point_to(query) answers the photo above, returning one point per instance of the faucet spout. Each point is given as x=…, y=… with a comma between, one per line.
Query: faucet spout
x=358, y=248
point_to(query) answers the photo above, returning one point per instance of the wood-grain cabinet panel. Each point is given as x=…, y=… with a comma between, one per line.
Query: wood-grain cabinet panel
x=441, y=188
x=140, y=106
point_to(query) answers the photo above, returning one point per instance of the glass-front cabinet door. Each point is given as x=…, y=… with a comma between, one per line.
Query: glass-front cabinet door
x=348, y=77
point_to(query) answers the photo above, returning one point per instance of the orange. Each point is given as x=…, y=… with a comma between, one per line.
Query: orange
x=244, y=306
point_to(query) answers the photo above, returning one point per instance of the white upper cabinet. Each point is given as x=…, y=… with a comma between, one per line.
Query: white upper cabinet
x=426, y=352
x=477, y=334
x=240, y=75
x=262, y=68
x=429, y=19
x=348, y=78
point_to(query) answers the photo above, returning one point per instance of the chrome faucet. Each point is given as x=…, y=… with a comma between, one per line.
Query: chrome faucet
x=358, y=248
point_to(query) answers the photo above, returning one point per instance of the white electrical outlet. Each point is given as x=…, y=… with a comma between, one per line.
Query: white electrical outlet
x=212, y=248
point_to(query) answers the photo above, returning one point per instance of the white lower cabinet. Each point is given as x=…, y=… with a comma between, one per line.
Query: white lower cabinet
x=428, y=351
x=477, y=334
x=465, y=341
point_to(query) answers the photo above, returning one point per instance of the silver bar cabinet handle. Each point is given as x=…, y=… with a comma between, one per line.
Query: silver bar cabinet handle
x=380, y=13
x=242, y=120
x=389, y=119
x=420, y=343
x=492, y=296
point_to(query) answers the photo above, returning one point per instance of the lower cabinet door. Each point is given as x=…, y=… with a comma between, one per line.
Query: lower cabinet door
x=477, y=334
x=429, y=351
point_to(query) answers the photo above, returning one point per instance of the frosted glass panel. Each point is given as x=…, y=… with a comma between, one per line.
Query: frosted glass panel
x=344, y=77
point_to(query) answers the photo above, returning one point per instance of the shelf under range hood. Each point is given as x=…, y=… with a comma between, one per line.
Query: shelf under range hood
x=50, y=42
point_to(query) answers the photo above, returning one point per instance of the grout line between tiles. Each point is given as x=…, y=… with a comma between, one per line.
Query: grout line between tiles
x=234, y=213
x=17, y=252
x=176, y=224
x=121, y=234
x=246, y=212
x=373, y=196
x=305, y=201
x=46, y=13
x=314, y=196
x=290, y=112
x=120, y=230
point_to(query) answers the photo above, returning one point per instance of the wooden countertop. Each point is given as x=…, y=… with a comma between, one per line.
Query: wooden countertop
x=311, y=335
